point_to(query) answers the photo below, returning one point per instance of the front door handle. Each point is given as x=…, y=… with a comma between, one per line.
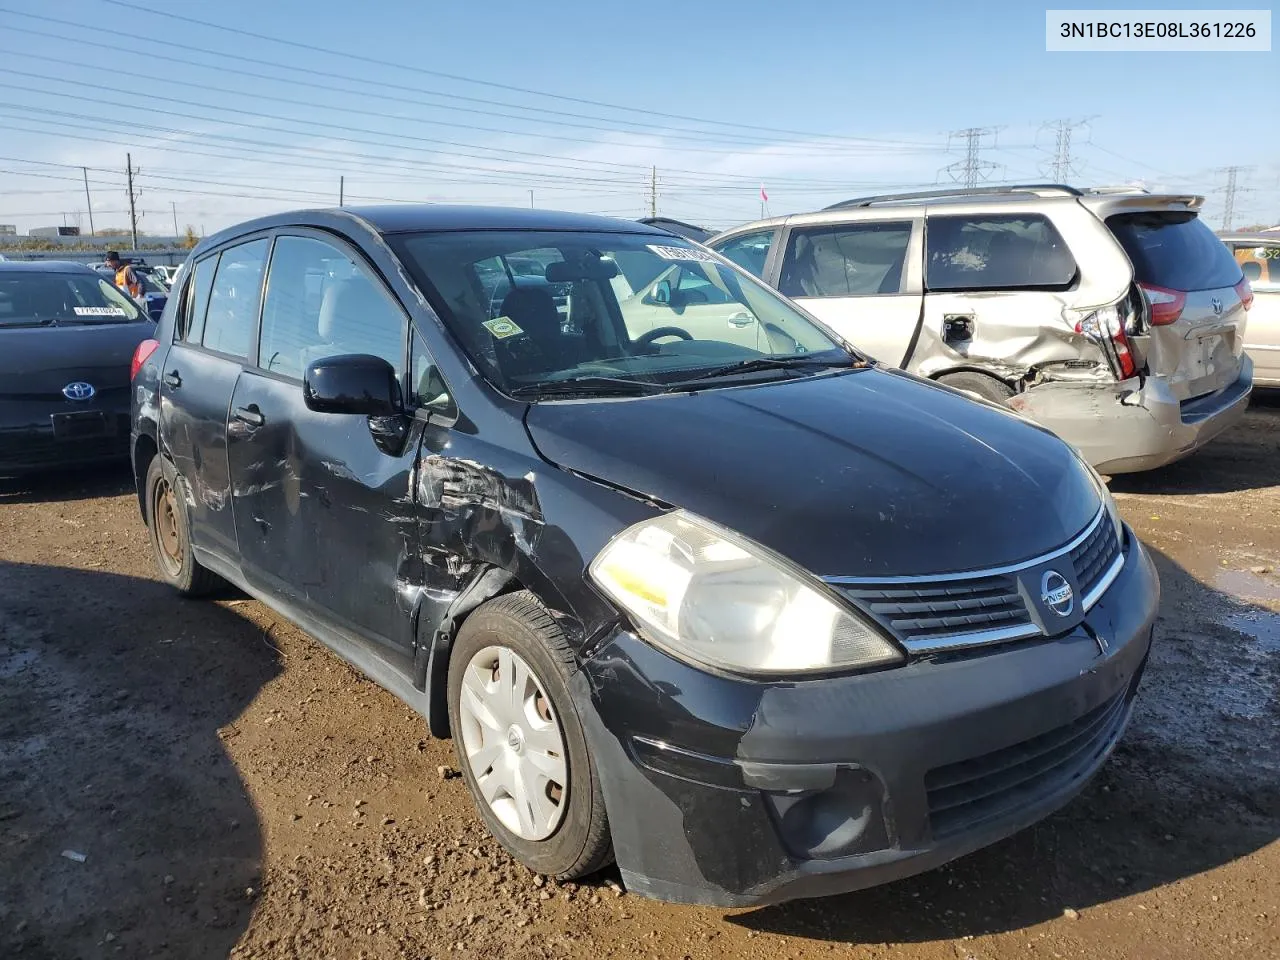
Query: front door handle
x=250, y=415
x=741, y=320
x=172, y=379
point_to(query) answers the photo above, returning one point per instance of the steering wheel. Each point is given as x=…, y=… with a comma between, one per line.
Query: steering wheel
x=646, y=339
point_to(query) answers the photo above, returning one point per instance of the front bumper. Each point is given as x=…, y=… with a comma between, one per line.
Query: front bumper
x=29, y=442
x=1135, y=425
x=722, y=791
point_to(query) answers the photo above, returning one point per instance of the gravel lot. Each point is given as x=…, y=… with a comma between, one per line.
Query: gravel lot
x=198, y=779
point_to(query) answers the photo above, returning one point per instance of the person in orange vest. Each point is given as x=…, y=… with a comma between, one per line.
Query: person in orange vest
x=126, y=278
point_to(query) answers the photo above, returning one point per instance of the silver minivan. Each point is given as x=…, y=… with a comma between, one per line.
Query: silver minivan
x=1112, y=316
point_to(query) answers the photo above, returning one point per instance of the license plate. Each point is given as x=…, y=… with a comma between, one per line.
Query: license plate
x=68, y=426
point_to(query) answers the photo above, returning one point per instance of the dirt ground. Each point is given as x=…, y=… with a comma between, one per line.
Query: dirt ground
x=198, y=779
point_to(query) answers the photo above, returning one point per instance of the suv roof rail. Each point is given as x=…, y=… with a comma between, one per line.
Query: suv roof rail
x=1035, y=189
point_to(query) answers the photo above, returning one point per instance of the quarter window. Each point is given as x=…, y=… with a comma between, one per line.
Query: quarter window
x=748, y=250
x=848, y=260
x=191, y=325
x=321, y=303
x=996, y=252
x=1260, y=264
x=427, y=387
x=233, y=300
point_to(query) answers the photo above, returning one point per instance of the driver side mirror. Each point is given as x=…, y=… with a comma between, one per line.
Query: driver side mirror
x=353, y=383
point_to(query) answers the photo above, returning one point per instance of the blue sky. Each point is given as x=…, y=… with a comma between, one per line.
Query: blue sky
x=816, y=100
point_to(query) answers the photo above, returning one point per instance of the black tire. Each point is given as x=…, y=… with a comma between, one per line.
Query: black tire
x=170, y=533
x=980, y=385
x=581, y=843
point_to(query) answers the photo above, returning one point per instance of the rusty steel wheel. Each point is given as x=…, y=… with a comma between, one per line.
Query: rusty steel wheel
x=170, y=530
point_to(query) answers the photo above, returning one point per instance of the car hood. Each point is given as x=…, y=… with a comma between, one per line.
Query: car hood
x=865, y=474
x=42, y=360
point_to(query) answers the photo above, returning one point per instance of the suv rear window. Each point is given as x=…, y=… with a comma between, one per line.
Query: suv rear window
x=1174, y=250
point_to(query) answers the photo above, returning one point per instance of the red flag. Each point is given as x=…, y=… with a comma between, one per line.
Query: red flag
x=763, y=196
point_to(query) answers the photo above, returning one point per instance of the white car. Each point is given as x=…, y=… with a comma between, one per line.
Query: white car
x=1259, y=257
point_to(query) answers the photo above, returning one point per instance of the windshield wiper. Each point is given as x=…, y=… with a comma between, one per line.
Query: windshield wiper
x=777, y=363
x=587, y=386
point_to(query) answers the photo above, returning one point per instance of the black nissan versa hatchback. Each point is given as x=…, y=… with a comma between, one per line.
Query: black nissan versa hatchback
x=690, y=584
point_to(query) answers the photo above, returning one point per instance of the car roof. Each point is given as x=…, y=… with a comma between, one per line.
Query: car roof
x=415, y=217
x=43, y=266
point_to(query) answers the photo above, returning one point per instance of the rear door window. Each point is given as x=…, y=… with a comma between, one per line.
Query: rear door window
x=996, y=252
x=1174, y=250
x=848, y=260
x=748, y=250
x=232, y=316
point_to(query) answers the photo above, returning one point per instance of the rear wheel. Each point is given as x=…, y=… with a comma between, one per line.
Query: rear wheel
x=979, y=385
x=520, y=742
x=170, y=532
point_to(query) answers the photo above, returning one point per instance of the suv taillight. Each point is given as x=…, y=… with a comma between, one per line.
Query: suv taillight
x=1244, y=290
x=145, y=349
x=1108, y=324
x=1166, y=305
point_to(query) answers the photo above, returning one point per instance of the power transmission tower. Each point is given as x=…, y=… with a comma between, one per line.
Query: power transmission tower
x=133, y=199
x=653, y=192
x=972, y=169
x=1230, y=189
x=1061, y=167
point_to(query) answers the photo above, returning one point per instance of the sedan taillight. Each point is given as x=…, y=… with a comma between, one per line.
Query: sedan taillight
x=144, y=350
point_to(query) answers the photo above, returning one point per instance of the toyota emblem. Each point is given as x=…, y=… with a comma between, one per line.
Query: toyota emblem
x=1057, y=593
x=1216, y=303
x=79, y=390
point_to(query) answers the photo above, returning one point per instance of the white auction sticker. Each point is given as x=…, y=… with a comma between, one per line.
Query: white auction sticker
x=100, y=311
x=681, y=253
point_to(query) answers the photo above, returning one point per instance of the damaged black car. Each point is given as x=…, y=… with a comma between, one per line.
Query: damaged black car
x=693, y=586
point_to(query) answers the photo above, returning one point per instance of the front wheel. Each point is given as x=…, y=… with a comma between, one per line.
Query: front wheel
x=979, y=385
x=170, y=532
x=520, y=742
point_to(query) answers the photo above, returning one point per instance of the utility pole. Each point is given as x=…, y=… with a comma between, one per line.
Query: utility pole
x=173, y=205
x=1230, y=189
x=530, y=199
x=972, y=169
x=88, y=201
x=653, y=192
x=133, y=199
x=342, y=190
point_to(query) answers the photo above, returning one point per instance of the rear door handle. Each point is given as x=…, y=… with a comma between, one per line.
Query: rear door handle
x=172, y=379
x=250, y=415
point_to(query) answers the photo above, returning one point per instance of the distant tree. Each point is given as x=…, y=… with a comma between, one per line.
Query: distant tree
x=189, y=238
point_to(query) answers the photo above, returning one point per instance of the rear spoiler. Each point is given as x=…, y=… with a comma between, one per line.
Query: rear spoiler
x=1144, y=201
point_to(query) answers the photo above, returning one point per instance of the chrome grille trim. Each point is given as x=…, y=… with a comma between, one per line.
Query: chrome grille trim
x=974, y=574
x=898, y=595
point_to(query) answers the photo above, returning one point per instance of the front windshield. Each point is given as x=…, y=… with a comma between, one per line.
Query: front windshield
x=539, y=309
x=37, y=298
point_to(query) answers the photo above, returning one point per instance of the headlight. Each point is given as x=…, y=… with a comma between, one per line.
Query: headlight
x=712, y=597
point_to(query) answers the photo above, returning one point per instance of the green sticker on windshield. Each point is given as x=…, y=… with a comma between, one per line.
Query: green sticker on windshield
x=502, y=327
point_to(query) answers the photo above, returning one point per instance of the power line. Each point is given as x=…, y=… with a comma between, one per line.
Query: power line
x=972, y=169
x=413, y=68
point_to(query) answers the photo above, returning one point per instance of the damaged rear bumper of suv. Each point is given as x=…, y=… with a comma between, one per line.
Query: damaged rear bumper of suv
x=1137, y=424
x=729, y=792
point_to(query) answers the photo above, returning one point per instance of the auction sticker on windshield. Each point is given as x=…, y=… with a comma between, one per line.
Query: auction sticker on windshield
x=681, y=253
x=502, y=327
x=100, y=311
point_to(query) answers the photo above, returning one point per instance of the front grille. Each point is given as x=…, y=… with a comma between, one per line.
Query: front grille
x=1094, y=556
x=956, y=611
x=966, y=794
x=924, y=611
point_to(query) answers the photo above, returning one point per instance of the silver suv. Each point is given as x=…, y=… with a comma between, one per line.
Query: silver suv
x=1112, y=316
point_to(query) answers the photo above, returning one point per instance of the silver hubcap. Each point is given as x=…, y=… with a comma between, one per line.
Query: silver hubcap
x=513, y=743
